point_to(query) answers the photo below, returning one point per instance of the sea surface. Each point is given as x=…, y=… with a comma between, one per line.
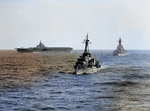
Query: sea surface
x=122, y=85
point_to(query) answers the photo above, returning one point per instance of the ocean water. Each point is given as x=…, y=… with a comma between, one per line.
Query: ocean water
x=122, y=85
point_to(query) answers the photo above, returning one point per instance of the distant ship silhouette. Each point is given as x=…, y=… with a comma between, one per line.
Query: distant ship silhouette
x=41, y=48
x=120, y=51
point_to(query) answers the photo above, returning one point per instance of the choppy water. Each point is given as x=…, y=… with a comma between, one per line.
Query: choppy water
x=122, y=85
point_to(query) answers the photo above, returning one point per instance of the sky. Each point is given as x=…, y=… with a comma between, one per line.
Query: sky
x=65, y=23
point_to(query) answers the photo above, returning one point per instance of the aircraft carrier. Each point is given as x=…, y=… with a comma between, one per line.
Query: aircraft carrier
x=41, y=48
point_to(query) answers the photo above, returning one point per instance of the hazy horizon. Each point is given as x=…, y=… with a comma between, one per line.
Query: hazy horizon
x=65, y=23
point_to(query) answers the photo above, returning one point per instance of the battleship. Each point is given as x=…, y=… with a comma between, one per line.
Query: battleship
x=41, y=48
x=85, y=64
x=120, y=51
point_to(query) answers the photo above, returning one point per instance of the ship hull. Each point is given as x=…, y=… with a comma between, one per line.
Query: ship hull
x=55, y=49
x=87, y=70
x=122, y=54
x=117, y=53
x=23, y=50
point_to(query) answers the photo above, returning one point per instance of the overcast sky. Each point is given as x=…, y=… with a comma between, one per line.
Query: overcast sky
x=23, y=23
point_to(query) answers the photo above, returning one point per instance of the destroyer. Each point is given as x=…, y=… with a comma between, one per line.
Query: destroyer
x=41, y=48
x=120, y=51
x=85, y=63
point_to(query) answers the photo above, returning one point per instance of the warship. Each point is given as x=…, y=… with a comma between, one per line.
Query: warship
x=120, y=51
x=41, y=48
x=85, y=64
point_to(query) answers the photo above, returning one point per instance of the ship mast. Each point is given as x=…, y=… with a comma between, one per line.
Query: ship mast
x=86, y=44
x=120, y=40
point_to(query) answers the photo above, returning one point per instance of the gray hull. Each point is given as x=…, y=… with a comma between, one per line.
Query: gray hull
x=50, y=49
x=87, y=70
x=118, y=53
